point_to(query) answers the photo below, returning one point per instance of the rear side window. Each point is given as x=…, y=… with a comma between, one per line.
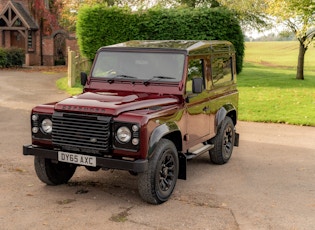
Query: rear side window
x=222, y=69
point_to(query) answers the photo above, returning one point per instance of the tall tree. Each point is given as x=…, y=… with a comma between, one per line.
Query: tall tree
x=251, y=13
x=68, y=10
x=299, y=17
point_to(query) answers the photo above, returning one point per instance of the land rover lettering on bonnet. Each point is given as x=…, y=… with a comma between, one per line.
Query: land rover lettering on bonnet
x=147, y=107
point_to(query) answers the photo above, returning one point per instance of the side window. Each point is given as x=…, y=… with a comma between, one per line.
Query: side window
x=222, y=69
x=195, y=69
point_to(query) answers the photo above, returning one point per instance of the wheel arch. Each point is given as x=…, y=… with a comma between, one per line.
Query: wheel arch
x=226, y=110
x=168, y=131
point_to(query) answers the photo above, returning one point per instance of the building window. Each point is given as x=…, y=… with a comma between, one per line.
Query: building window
x=30, y=45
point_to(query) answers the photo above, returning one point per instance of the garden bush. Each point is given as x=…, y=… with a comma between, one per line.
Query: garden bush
x=11, y=57
x=100, y=26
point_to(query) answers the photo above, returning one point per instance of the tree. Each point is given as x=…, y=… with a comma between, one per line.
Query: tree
x=251, y=13
x=299, y=17
x=68, y=10
x=45, y=14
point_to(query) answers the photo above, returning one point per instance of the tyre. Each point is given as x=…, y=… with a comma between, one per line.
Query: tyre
x=51, y=173
x=158, y=182
x=223, y=142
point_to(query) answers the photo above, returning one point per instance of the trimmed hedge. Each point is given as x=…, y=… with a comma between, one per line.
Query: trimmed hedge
x=100, y=26
x=11, y=57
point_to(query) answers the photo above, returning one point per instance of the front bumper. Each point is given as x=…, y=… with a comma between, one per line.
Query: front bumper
x=137, y=166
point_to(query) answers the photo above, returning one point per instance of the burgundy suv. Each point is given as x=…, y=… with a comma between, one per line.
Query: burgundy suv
x=147, y=107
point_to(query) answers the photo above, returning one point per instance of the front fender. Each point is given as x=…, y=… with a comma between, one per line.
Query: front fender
x=169, y=129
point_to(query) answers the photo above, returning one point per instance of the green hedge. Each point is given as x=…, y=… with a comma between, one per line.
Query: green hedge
x=100, y=26
x=11, y=57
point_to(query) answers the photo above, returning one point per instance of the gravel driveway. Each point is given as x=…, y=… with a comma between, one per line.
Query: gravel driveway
x=269, y=182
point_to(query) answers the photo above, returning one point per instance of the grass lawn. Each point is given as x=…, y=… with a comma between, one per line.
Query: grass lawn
x=268, y=89
x=62, y=84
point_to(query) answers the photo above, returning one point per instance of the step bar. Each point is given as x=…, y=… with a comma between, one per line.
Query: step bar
x=198, y=150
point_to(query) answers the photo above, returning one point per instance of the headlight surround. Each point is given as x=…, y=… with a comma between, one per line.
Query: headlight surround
x=46, y=126
x=126, y=136
x=41, y=126
x=123, y=134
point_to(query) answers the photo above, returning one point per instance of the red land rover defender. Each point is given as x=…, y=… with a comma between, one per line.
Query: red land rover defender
x=147, y=107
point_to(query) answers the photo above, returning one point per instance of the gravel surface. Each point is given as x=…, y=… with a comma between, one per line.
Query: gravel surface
x=267, y=184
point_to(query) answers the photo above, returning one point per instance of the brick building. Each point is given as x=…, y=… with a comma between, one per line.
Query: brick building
x=20, y=26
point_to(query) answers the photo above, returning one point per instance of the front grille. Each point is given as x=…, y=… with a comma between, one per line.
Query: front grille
x=81, y=132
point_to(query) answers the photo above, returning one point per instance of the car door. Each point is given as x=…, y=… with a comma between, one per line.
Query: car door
x=197, y=105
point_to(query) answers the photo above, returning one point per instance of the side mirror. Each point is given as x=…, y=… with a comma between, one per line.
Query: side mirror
x=83, y=78
x=197, y=85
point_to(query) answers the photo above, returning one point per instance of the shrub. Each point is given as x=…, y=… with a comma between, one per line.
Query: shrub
x=100, y=26
x=11, y=57
x=3, y=58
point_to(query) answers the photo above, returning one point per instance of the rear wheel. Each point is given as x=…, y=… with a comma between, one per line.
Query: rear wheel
x=53, y=173
x=158, y=182
x=223, y=142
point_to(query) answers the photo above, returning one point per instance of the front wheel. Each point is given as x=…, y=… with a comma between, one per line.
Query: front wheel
x=223, y=142
x=53, y=173
x=158, y=182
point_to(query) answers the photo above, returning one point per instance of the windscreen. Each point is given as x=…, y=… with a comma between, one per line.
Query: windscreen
x=151, y=66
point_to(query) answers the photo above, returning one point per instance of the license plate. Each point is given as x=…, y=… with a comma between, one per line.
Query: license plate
x=77, y=159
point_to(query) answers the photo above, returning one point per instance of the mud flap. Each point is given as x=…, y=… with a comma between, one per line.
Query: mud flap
x=237, y=139
x=182, y=166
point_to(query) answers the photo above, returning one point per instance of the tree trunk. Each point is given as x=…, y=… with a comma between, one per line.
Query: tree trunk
x=300, y=67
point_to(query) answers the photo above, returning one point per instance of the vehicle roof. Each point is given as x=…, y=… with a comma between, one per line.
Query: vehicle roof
x=191, y=47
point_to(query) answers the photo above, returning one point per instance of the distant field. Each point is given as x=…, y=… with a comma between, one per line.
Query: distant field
x=268, y=89
x=278, y=54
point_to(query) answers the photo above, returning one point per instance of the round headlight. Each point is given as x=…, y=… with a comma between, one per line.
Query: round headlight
x=124, y=134
x=47, y=125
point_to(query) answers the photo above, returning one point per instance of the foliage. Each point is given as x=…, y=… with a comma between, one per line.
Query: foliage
x=46, y=13
x=299, y=17
x=68, y=10
x=11, y=57
x=250, y=12
x=99, y=26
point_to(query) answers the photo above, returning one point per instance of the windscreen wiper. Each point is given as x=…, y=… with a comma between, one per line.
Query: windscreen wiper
x=157, y=77
x=111, y=80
